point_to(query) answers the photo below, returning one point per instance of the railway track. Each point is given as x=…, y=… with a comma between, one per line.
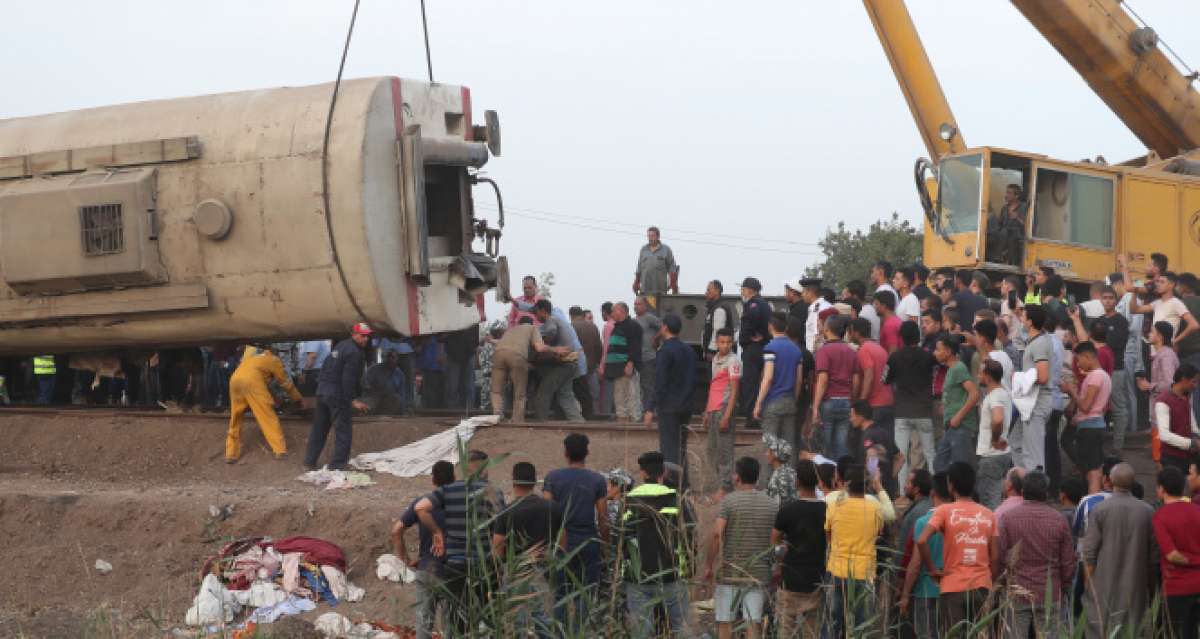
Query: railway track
x=441, y=415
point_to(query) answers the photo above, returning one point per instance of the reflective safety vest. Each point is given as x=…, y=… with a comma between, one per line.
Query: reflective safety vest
x=1032, y=297
x=43, y=365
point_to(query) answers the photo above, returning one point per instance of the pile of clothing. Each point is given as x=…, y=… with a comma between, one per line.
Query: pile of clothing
x=336, y=479
x=276, y=577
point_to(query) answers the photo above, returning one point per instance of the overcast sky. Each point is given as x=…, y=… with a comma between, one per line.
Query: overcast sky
x=736, y=127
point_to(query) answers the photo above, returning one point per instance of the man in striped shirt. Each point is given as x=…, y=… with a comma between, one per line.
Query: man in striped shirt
x=465, y=543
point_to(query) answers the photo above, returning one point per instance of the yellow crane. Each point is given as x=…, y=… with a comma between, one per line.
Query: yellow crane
x=1074, y=216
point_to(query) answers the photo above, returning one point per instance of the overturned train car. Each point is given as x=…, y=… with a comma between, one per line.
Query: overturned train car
x=189, y=221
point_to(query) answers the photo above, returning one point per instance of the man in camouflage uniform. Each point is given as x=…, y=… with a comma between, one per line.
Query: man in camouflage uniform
x=782, y=485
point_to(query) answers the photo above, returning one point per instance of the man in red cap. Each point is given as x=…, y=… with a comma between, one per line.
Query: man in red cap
x=336, y=387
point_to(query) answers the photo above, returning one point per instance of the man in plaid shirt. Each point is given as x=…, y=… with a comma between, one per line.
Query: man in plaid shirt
x=1036, y=545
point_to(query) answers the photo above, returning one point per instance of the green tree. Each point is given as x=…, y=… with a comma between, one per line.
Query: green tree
x=849, y=255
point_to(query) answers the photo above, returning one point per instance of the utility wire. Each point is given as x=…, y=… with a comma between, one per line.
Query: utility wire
x=724, y=245
x=428, y=52
x=638, y=225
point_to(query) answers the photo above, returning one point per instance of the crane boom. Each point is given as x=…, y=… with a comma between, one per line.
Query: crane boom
x=916, y=77
x=1122, y=64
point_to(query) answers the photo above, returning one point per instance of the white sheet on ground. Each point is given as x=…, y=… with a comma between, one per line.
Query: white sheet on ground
x=293, y=605
x=418, y=458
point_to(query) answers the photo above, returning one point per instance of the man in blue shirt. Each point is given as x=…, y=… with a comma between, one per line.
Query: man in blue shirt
x=778, y=391
x=428, y=567
x=583, y=496
x=672, y=398
x=336, y=388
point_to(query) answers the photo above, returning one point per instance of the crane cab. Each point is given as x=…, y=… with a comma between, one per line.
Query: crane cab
x=1072, y=216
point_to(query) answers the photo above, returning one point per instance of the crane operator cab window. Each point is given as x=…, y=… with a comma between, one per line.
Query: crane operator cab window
x=1008, y=209
x=1074, y=208
x=960, y=182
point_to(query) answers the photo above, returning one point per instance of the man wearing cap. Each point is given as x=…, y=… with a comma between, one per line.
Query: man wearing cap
x=752, y=337
x=797, y=311
x=672, y=396
x=336, y=388
x=812, y=296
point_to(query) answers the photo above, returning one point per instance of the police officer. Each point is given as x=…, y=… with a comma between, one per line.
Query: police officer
x=752, y=337
x=336, y=387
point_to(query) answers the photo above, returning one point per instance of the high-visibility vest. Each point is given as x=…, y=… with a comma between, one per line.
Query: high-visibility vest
x=1032, y=297
x=43, y=365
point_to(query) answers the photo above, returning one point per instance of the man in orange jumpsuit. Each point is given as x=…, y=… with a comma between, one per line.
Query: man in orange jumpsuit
x=248, y=389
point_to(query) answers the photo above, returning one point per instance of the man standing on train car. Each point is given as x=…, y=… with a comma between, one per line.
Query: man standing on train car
x=657, y=271
x=335, y=399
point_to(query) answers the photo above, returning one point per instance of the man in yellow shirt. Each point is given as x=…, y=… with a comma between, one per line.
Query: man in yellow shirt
x=248, y=390
x=852, y=525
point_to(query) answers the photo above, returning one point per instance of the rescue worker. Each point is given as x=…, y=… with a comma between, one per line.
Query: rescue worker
x=335, y=399
x=248, y=389
x=44, y=371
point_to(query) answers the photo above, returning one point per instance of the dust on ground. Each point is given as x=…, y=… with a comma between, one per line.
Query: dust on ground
x=136, y=490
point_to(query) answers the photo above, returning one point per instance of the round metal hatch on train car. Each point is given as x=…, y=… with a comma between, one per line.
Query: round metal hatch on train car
x=213, y=219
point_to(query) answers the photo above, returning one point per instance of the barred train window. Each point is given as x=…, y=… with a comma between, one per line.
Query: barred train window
x=102, y=229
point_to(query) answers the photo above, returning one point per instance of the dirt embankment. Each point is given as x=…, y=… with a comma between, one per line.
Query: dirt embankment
x=135, y=491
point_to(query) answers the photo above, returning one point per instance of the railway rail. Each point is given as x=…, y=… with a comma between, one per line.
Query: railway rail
x=448, y=416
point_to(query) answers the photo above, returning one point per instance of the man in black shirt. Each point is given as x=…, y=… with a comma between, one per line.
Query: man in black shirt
x=752, y=337
x=876, y=449
x=336, y=388
x=524, y=531
x=967, y=302
x=801, y=524
x=910, y=372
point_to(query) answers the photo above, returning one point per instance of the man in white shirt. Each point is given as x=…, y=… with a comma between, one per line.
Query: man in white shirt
x=816, y=304
x=909, y=307
x=995, y=419
x=1168, y=308
x=881, y=278
x=985, y=344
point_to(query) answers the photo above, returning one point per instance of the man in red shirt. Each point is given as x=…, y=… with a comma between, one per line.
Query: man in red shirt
x=872, y=363
x=889, y=323
x=1175, y=526
x=969, y=552
x=837, y=375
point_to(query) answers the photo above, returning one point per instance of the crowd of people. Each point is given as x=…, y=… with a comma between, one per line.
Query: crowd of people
x=915, y=434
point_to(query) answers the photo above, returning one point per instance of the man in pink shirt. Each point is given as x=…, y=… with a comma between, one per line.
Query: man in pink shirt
x=1091, y=400
x=523, y=305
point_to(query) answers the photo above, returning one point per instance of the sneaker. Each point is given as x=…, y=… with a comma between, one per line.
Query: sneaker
x=342, y=467
x=231, y=460
x=282, y=455
x=310, y=467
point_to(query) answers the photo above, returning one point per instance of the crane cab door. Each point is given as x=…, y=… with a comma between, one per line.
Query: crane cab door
x=1072, y=219
x=953, y=238
x=1150, y=208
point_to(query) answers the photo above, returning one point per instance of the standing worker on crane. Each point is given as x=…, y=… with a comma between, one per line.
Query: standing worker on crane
x=248, y=390
x=335, y=399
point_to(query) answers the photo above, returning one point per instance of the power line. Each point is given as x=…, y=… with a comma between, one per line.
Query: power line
x=639, y=225
x=725, y=245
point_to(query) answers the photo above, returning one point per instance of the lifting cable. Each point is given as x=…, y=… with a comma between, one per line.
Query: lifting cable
x=337, y=261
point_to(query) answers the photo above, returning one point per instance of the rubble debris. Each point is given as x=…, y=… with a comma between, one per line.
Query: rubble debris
x=336, y=479
x=389, y=567
x=103, y=567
